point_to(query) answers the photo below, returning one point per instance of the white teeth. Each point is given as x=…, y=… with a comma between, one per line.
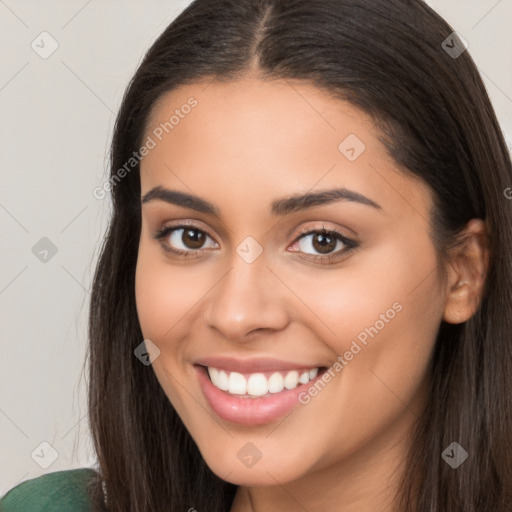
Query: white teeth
x=257, y=384
x=304, y=378
x=275, y=383
x=213, y=373
x=223, y=381
x=291, y=380
x=219, y=377
x=237, y=384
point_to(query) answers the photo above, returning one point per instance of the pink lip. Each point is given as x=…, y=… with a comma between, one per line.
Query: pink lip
x=253, y=365
x=249, y=411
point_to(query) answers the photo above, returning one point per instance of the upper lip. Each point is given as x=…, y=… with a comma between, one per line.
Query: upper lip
x=252, y=365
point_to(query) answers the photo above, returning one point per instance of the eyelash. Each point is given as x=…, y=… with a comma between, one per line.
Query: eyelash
x=324, y=259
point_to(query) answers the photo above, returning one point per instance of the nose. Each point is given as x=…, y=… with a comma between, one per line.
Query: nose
x=249, y=298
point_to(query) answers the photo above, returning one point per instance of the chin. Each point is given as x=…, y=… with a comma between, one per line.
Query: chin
x=240, y=462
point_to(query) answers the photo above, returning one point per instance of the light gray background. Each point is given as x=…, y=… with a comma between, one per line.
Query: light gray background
x=56, y=118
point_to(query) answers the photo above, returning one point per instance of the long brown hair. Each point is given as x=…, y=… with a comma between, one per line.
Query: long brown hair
x=386, y=57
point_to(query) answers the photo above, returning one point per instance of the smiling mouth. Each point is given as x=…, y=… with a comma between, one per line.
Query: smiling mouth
x=260, y=384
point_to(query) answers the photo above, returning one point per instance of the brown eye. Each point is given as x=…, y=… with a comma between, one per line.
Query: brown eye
x=323, y=246
x=192, y=238
x=322, y=242
x=184, y=240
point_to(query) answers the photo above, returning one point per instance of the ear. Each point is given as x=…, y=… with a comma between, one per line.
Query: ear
x=467, y=273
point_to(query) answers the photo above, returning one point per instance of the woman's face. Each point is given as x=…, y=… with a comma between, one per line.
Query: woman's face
x=279, y=282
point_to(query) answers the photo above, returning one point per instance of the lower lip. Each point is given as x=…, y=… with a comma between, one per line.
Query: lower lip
x=249, y=411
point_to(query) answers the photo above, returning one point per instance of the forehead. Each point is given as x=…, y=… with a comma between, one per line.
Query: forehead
x=281, y=110
x=255, y=136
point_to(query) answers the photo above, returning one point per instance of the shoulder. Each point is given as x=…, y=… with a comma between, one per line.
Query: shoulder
x=53, y=492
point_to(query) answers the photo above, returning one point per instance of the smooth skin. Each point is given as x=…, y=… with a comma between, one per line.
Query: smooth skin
x=246, y=144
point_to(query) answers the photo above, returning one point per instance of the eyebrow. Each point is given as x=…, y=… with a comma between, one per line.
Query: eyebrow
x=279, y=207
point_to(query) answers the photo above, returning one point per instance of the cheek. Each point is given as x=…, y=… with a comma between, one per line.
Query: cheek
x=381, y=316
x=164, y=294
x=390, y=286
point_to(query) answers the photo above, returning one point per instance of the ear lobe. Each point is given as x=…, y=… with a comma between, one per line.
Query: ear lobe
x=468, y=271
